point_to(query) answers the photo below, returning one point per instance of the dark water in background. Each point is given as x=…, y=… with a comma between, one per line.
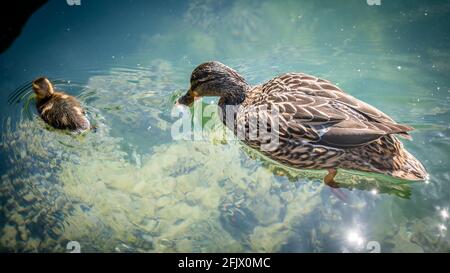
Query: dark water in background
x=131, y=187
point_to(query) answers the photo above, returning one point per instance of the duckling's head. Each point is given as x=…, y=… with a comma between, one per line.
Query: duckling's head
x=42, y=87
x=218, y=80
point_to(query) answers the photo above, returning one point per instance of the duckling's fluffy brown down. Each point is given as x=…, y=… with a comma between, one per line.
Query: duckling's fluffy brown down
x=63, y=111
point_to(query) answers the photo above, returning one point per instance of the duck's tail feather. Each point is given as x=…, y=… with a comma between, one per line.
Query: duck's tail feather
x=387, y=156
x=406, y=166
x=405, y=136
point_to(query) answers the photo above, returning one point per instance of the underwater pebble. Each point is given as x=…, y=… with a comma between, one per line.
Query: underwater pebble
x=18, y=219
x=163, y=201
x=23, y=233
x=151, y=225
x=8, y=238
x=166, y=243
x=29, y=197
x=184, y=246
x=147, y=238
x=33, y=244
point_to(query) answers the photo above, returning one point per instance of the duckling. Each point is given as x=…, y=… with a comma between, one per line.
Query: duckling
x=319, y=126
x=59, y=109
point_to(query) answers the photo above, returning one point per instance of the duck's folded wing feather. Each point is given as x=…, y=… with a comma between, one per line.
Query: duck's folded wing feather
x=328, y=122
x=317, y=87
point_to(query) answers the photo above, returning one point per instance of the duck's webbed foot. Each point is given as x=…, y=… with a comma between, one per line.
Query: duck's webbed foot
x=329, y=181
x=329, y=178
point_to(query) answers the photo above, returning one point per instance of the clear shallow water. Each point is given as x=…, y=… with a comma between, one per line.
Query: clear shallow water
x=131, y=187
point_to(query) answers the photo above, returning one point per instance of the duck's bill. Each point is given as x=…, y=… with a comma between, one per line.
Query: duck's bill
x=186, y=100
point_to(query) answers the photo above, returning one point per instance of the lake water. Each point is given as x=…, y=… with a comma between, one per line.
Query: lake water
x=130, y=187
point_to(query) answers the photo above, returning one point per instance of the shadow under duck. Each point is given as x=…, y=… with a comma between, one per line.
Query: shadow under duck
x=59, y=109
x=316, y=124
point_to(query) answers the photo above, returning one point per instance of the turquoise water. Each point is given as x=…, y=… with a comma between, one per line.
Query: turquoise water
x=130, y=187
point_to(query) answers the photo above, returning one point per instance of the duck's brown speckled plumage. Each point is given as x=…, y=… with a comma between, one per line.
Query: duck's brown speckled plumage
x=320, y=126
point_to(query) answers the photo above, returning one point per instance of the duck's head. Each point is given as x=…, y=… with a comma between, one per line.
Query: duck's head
x=218, y=80
x=42, y=87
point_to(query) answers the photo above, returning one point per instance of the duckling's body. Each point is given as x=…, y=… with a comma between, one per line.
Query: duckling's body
x=312, y=123
x=59, y=109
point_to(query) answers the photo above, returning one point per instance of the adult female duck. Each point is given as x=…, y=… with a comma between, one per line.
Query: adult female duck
x=318, y=125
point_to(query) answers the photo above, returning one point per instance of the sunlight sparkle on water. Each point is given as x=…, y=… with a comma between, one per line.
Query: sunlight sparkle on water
x=444, y=213
x=355, y=238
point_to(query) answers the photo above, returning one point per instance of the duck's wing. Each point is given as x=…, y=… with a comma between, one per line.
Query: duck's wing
x=314, y=86
x=322, y=119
